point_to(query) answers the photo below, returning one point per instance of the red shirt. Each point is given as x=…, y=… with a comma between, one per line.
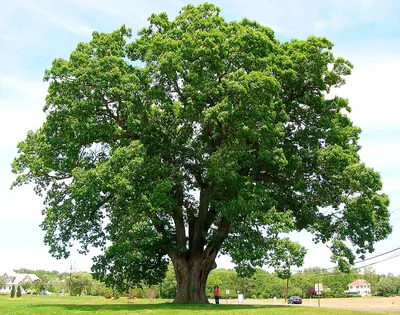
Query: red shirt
x=216, y=292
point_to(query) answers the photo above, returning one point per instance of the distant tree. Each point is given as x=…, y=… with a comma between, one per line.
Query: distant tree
x=26, y=285
x=81, y=282
x=288, y=254
x=198, y=137
x=2, y=281
x=97, y=288
x=12, y=293
x=18, y=291
x=293, y=290
x=168, y=285
x=371, y=277
x=37, y=286
x=386, y=287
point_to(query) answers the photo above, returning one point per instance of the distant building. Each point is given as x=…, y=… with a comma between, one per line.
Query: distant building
x=16, y=279
x=359, y=287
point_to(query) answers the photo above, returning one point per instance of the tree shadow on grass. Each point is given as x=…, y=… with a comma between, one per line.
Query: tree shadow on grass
x=161, y=306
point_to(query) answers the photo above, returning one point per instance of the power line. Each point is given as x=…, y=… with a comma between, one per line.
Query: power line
x=361, y=261
x=395, y=210
x=377, y=262
x=385, y=253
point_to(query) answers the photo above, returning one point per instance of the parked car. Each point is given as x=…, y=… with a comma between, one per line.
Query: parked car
x=295, y=300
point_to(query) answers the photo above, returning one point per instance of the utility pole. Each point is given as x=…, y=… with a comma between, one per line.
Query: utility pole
x=70, y=277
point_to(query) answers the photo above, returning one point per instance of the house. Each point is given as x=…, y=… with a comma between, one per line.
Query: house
x=12, y=278
x=359, y=287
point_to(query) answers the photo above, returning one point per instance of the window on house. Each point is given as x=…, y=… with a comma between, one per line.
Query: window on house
x=357, y=287
x=351, y=287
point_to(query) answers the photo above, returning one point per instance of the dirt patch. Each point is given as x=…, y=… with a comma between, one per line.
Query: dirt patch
x=391, y=304
x=376, y=304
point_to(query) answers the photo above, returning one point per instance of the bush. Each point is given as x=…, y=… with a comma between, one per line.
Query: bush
x=12, y=294
x=140, y=293
x=18, y=291
x=108, y=294
x=339, y=294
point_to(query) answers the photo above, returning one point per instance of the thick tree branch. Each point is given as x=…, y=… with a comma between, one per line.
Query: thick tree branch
x=198, y=240
x=223, y=230
x=178, y=216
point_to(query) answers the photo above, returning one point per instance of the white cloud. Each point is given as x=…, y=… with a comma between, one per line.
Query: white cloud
x=60, y=14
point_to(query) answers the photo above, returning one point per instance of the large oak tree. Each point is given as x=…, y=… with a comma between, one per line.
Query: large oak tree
x=199, y=137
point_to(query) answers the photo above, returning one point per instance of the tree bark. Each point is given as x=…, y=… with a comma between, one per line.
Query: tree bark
x=191, y=276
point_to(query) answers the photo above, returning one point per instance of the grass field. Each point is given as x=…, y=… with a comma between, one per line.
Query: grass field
x=97, y=305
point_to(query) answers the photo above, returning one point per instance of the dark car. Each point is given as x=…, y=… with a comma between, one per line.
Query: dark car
x=295, y=300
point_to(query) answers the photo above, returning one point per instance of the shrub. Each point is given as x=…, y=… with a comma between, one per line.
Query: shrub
x=108, y=294
x=12, y=294
x=18, y=291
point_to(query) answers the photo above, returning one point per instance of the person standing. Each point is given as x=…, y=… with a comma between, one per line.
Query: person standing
x=216, y=294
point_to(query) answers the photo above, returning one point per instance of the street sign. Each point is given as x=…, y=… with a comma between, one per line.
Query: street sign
x=318, y=288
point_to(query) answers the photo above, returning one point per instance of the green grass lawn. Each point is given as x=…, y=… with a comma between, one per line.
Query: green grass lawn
x=98, y=305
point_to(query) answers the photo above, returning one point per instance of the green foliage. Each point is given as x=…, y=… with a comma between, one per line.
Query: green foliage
x=37, y=286
x=108, y=293
x=26, y=285
x=116, y=295
x=97, y=288
x=296, y=291
x=53, y=281
x=287, y=254
x=81, y=283
x=2, y=281
x=199, y=106
x=12, y=293
x=371, y=277
x=168, y=285
x=18, y=291
x=386, y=287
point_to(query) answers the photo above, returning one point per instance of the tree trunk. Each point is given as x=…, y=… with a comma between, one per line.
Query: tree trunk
x=191, y=276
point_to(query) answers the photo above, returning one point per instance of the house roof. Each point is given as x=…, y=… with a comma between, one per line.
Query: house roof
x=359, y=282
x=16, y=278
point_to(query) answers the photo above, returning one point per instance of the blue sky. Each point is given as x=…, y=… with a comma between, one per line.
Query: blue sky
x=34, y=32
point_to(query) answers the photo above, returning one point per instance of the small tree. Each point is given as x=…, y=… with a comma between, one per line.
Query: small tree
x=12, y=294
x=18, y=291
x=26, y=286
x=311, y=292
x=2, y=282
x=287, y=254
x=386, y=287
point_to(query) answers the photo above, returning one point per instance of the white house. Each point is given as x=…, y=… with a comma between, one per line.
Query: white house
x=16, y=279
x=359, y=287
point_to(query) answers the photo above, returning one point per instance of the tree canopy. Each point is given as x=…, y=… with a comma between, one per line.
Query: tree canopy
x=199, y=137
